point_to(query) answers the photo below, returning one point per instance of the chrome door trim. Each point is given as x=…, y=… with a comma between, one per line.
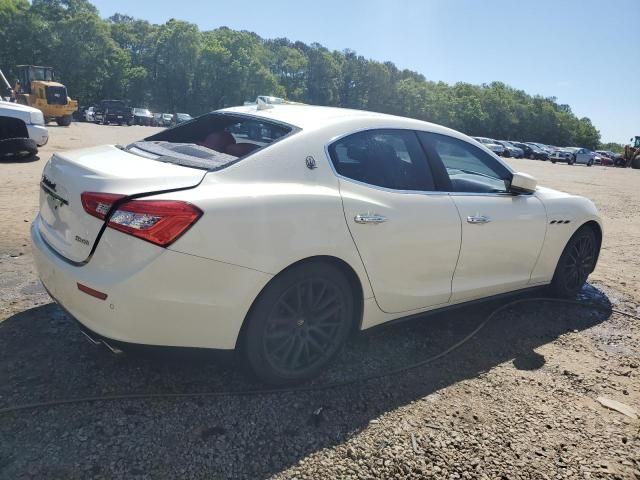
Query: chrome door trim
x=369, y=218
x=478, y=219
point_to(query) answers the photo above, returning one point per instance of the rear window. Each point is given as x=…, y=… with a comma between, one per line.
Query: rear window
x=212, y=141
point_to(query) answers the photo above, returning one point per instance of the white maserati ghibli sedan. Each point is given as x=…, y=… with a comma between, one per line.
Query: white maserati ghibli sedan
x=279, y=230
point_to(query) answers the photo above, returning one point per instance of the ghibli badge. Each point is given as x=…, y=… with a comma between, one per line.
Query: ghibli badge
x=48, y=183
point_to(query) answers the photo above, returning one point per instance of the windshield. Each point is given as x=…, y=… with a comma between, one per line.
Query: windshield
x=141, y=111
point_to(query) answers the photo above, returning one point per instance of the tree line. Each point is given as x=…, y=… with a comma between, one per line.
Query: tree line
x=176, y=67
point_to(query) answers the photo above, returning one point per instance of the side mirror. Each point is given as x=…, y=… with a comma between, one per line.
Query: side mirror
x=522, y=183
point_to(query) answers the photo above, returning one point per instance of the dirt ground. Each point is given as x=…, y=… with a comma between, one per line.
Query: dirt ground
x=517, y=401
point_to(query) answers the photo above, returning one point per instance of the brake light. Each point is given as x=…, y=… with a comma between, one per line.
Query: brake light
x=160, y=222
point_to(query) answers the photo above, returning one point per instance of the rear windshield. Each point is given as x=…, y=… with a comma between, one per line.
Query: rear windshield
x=211, y=142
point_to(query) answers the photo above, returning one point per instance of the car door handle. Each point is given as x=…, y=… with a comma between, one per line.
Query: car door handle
x=369, y=218
x=477, y=219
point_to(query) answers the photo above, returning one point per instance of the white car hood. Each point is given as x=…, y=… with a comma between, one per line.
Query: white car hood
x=15, y=110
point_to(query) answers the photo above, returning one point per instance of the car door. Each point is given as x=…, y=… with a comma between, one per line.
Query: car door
x=407, y=234
x=502, y=233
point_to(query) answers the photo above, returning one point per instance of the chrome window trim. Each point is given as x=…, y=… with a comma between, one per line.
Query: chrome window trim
x=414, y=192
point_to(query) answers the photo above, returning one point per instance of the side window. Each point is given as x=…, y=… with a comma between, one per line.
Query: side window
x=468, y=168
x=385, y=158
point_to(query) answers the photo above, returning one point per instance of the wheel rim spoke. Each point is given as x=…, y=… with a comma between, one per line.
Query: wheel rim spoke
x=304, y=325
x=579, y=262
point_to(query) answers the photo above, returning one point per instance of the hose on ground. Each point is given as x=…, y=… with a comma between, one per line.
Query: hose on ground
x=310, y=388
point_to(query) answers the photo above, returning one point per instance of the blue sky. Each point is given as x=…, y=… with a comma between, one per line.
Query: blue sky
x=584, y=52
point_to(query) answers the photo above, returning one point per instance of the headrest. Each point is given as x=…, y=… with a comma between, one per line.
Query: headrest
x=356, y=152
x=218, y=141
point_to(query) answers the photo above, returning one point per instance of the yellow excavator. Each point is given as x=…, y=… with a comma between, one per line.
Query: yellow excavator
x=37, y=88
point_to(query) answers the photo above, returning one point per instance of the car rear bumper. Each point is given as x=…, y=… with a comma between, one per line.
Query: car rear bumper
x=155, y=296
x=39, y=134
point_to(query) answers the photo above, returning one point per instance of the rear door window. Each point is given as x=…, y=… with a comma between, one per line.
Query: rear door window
x=390, y=159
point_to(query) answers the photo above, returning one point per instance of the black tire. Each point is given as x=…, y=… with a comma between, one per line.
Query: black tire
x=298, y=323
x=577, y=261
x=532, y=157
x=553, y=161
x=64, y=121
x=17, y=148
x=635, y=163
x=590, y=163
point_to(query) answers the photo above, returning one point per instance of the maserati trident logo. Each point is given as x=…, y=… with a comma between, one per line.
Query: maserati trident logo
x=311, y=162
x=48, y=183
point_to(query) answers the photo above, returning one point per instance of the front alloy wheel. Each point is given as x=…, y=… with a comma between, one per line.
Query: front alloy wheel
x=299, y=323
x=576, y=263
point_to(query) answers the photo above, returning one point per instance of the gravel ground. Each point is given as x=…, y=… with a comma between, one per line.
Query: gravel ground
x=516, y=401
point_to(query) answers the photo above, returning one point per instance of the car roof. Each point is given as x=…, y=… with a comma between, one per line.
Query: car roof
x=309, y=116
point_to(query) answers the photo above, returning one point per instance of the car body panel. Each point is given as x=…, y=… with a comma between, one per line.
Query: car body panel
x=568, y=213
x=500, y=255
x=281, y=205
x=399, y=253
x=155, y=296
x=67, y=227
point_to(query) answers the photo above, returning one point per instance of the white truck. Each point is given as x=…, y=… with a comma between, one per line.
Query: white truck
x=22, y=130
x=32, y=118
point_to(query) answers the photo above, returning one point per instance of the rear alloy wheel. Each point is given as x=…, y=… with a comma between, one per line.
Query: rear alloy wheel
x=298, y=323
x=576, y=263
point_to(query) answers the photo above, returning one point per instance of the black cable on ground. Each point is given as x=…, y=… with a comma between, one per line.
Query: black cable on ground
x=310, y=388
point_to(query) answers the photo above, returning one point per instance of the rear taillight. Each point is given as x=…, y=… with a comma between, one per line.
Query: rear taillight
x=157, y=221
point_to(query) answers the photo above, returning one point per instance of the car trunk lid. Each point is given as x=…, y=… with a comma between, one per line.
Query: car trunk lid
x=64, y=224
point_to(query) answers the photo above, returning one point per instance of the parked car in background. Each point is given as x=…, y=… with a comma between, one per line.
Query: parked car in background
x=197, y=237
x=605, y=157
x=583, y=156
x=22, y=131
x=90, y=114
x=562, y=155
x=142, y=116
x=491, y=144
x=113, y=111
x=510, y=150
x=531, y=151
x=32, y=118
x=78, y=115
x=167, y=120
x=545, y=148
x=182, y=117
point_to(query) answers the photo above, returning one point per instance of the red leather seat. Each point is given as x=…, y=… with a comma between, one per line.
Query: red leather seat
x=240, y=149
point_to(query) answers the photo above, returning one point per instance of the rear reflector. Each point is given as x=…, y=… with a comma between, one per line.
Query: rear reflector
x=160, y=222
x=92, y=292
